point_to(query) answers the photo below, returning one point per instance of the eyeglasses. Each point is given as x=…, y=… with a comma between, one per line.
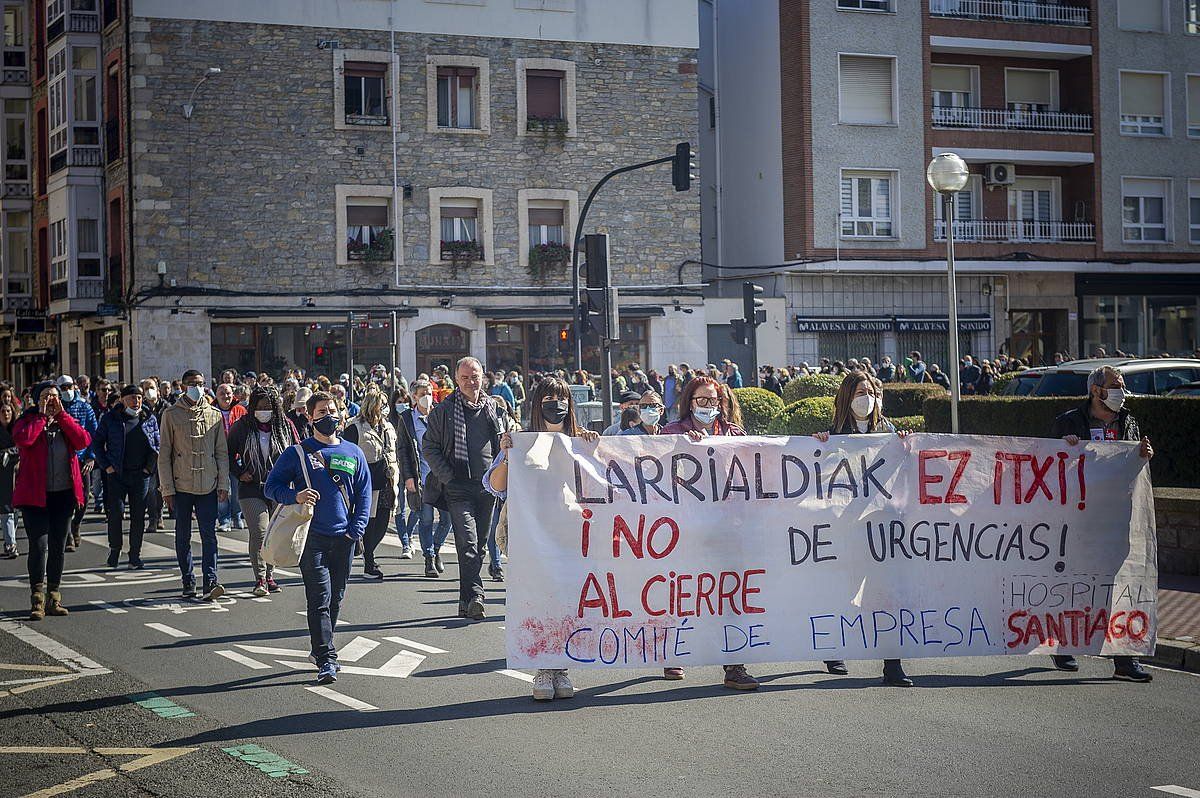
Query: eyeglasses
x=651, y=407
x=706, y=401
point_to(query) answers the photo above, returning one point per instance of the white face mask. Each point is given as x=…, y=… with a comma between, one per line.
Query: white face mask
x=151, y=395
x=68, y=396
x=195, y=393
x=706, y=415
x=263, y=416
x=1115, y=399
x=424, y=403
x=650, y=415
x=862, y=406
x=132, y=412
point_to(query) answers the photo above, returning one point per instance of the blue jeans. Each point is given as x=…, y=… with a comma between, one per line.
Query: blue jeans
x=404, y=526
x=431, y=541
x=205, y=507
x=493, y=549
x=8, y=523
x=325, y=565
x=230, y=512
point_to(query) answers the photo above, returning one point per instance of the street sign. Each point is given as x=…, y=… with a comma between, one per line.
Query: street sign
x=107, y=310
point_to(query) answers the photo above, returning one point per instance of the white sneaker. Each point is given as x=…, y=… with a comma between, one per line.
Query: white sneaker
x=406, y=553
x=543, y=685
x=562, y=685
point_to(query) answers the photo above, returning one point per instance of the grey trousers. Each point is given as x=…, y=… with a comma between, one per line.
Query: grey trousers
x=257, y=513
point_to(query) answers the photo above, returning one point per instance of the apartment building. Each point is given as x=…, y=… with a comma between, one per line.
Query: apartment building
x=258, y=186
x=1076, y=230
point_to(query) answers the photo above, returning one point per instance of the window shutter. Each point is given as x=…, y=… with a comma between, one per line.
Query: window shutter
x=965, y=208
x=1026, y=86
x=847, y=196
x=1141, y=95
x=458, y=212
x=543, y=93
x=1193, y=99
x=951, y=78
x=365, y=69
x=883, y=198
x=552, y=217
x=366, y=215
x=1139, y=187
x=866, y=89
x=1141, y=14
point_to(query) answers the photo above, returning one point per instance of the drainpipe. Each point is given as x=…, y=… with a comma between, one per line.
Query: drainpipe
x=127, y=251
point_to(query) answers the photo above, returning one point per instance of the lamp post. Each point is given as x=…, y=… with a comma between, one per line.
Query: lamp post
x=190, y=105
x=947, y=175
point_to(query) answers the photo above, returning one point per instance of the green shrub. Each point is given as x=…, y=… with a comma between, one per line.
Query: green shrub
x=803, y=417
x=908, y=398
x=811, y=385
x=909, y=423
x=759, y=406
x=1001, y=382
x=1170, y=423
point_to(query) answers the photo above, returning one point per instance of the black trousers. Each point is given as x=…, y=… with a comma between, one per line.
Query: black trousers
x=133, y=486
x=470, y=514
x=377, y=528
x=47, y=528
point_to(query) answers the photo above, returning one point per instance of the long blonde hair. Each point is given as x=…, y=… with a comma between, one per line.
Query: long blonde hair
x=372, y=408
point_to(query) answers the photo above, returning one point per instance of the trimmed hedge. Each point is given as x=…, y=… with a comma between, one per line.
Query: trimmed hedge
x=908, y=398
x=811, y=385
x=1171, y=423
x=759, y=406
x=1001, y=382
x=804, y=417
x=910, y=423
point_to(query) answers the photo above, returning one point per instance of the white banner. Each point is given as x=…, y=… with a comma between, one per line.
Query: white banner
x=646, y=552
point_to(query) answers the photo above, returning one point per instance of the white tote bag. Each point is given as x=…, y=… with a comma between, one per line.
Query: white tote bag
x=287, y=531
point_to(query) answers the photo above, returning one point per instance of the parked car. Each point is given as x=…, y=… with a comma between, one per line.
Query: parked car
x=1145, y=376
x=1023, y=382
x=1189, y=389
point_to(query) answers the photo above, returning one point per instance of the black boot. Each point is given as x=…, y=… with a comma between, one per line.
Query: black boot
x=1128, y=669
x=836, y=667
x=430, y=570
x=894, y=675
x=1064, y=662
x=114, y=557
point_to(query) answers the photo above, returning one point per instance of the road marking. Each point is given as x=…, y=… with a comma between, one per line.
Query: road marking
x=400, y=666
x=104, y=605
x=163, y=707
x=35, y=668
x=344, y=700
x=305, y=614
x=169, y=630
x=358, y=648
x=40, y=683
x=52, y=648
x=243, y=660
x=412, y=644
x=178, y=606
x=1175, y=789
x=525, y=677
x=148, y=758
x=281, y=652
x=273, y=765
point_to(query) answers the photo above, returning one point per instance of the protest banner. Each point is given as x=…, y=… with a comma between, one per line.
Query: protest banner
x=653, y=551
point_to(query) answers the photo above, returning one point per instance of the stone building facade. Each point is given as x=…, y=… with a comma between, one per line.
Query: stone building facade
x=305, y=194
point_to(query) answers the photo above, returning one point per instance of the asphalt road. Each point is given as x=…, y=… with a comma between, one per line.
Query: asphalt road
x=425, y=707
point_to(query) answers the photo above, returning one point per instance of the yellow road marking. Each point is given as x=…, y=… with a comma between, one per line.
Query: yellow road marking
x=5, y=666
x=149, y=757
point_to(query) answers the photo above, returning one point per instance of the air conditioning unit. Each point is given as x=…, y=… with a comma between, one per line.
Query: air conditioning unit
x=1001, y=174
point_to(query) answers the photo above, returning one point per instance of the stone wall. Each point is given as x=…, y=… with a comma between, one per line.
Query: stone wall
x=241, y=197
x=1177, y=519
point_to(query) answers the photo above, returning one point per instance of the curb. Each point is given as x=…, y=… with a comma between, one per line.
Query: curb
x=1182, y=654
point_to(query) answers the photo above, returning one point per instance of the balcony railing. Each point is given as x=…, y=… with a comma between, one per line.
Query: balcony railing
x=1017, y=231
x=86, y=156
x=82, y=289
x=1011, y=119
x=1039, y=13
x=84, y=23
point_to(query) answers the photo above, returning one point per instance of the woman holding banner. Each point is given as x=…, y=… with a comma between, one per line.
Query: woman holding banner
x=551, y=410
x=708, y=407
x=858, y=410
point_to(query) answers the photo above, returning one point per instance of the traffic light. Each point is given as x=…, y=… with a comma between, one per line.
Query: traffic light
x=683, y=166
x=738, y=332
x=753, y=310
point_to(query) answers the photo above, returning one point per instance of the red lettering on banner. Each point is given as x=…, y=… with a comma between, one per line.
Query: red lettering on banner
x=592, y=584
x=963, y=457
x=928, y=479
x=1064, y=628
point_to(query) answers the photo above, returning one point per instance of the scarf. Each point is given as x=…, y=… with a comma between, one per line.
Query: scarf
x=460, y=422
x=256, y=461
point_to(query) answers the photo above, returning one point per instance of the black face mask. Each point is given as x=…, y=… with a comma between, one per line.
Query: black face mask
x=554, y=412
x=326, y=425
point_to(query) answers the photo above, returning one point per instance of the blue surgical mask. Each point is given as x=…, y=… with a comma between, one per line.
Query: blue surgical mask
x=68, y=395
x=650, y=415
x=706, y=415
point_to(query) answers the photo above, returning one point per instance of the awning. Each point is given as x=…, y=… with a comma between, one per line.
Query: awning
x=309, y=314
x=561, y=312
x=30, y=355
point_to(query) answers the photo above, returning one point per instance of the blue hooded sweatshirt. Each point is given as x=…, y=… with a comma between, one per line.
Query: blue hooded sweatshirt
x=332, y=468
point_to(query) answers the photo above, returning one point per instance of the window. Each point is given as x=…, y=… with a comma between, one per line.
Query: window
x=1193, y=105
x=83, y=60
x=57, y=102
x=1032, y=207
x=16, y=254
x=364, y=93
x=457, y=89
x=966, y=214
x=1194, y=211
x=1141, y=15
x=866, y=207
x=368, y=229
x=1030, y=90
x=954, y=95
x=1192, y=18
x=16, y=140
x=1144, y=210
x=1143, y=104
x=866, y=90
x=14, y=36
x=460, y=225
x=58, y=250
x=87, y=232
x=547, y=226
x=865, y=5
x=545, y=97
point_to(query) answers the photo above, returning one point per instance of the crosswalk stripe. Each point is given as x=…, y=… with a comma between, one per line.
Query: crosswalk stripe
x=104, y=605
x=413, y=644
x=243, y=660
x=525, y=677
x=1175, y=789
x=344, y=700
x=169, y=630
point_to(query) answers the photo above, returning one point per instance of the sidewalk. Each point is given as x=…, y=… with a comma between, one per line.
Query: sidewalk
x=1178, y=622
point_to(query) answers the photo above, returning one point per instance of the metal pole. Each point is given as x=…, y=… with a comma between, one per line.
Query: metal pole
x=952, y=298
x=606, y=382
x=350, y=355
x=391, y=380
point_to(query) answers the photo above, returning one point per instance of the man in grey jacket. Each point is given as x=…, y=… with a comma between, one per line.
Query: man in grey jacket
x=193, y=468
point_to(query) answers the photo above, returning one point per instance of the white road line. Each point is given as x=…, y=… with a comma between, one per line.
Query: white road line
x=413, y=644
x=279, y=652
x=1174, y=789
x=243, y=660
x=66, y=656
x=305, y=614
x=261, y=599
x=356, y=649
x=525, y=677
x=168, y=630
x=344, y=700
x=104, y=605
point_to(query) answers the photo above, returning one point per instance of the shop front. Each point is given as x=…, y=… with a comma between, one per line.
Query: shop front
x=1138, y=315
x=842, y=338
x=104, y=353
x=545, y=345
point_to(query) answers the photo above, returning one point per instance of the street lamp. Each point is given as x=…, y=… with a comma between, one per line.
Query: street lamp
x=190, y=105
x=947, y=175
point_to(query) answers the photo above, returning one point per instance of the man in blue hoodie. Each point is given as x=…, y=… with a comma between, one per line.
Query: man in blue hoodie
x=341, y=499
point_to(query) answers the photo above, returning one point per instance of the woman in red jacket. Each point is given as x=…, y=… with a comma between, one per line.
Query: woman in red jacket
x=47, y=491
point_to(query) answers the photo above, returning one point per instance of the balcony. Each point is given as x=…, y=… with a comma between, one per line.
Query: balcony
x=90, y=288
x=1011, y=119
x=1009, y=231
x=1038, y=13
x=84, y=23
